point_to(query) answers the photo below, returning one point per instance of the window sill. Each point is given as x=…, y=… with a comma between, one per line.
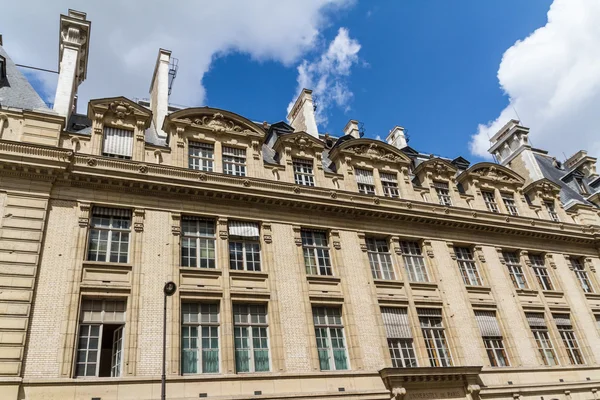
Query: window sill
x=201, y=271
x=593, y=296
x=553, y=293
x=423, y=285
x=248, y=274
x=107, y=264
x=323, y=279
x=478, y=289
x=526, y=292
x=390, y=283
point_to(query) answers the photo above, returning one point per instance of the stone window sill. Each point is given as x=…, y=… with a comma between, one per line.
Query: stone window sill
x=248, y=274
x=478, y=289
x=323, y=278
x=106, y=264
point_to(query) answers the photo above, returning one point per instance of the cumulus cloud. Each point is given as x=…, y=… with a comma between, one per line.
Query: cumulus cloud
x=552, y=79
x=126, y=36
x=327, y=75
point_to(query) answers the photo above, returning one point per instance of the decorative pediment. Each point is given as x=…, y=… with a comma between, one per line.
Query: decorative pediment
x=493, y=173
x=119, y=109
x=213, y=119
x=369, y=149
x=299, y=141
x=437, y=167
x=543, y=188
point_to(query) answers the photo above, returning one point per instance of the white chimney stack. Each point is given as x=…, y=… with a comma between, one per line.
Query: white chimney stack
x=73, y=57
x=159, y=90
x=351, y=129
x=302, y=115
x=397, y=138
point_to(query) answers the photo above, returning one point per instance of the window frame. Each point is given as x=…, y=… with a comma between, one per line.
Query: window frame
x=538, y=268
x=205, y=163
x=198, y=237
x=442, y=189
x=245, y=251
x=551, y=210
x=409, y=255
x=328, y=327
x=582, y=275
x=378, y=260
x=510, y=204
x=234, y=164
x=130, y=136
x=110, y=229
x=490, y=202
x=492, y=351
x=389, y=184
x=570, y=342
x=312, y=251
x=304, y=174
x=512, y=266
x=433, y=336
x=249, y=327
x=200, y=325
x=468, y=266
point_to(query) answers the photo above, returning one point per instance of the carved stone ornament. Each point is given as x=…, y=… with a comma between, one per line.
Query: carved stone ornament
x=297, y=235
x=363, y=242
x=495, y=175
x=202, y=177
x=296, y=189
x=267, y=234
x=121, y=109
x=218, y=123
x=138, y=219
x=246, y=183
x=333, y=195
x=84, y=214
x=376, y=200
x=335, y=236
x=143, y=169
x=428, y=248
x=398, y=393
x=92, y=162
x=374, y=152
x=176, y=224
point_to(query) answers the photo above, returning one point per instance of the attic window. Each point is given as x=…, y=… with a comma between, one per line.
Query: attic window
x=581, y=186
x=2, y=67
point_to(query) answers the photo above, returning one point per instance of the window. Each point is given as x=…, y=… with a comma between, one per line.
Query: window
x=509, y=203
x=251, y=339
x=2, y=67
x=100, y=342
x=538, y=326
x=514, y=269
x=435, y=338
x=443, y=193
x=540, y=271
x=380, y=259
x=197, y=242
x=597, y=316
x=331, y=344
x=582, y=276
x=303, y=172
x=234, y=161
x=490, y=201
x=492, y=338
x=201, y=156
x=581, y=186
x=390, y=184
x=565, y=328
x=364, y=179
x=199, y=338
x=109, y=235
x=467, y=266
x=244, y=246
x=117, y=143
x=414, y=262
x=551, y=211
x=315, y=250
x=399, y=337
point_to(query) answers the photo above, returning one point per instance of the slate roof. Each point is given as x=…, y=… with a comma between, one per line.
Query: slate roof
x=16, y=91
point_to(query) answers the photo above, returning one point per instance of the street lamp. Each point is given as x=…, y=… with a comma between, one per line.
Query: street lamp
x=169, y=289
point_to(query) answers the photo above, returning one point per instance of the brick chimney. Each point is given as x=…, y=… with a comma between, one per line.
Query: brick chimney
x=73, y=59
x=302, y=115
x=159, y=90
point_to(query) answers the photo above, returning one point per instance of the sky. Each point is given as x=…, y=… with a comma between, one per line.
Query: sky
x=450, y=72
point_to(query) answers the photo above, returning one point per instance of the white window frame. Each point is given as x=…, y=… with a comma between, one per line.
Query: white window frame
x=494, y=345
x=541, y=271
x=569, y=338
x=551, y=209
x=209, y=320
x=303, y=172
x=234, y=161
x=380, y=258
x=248, y=327
x=442, y=189
x=510, y=204
x=543, y=341
x=247, y=248
x=201, y=156
x=436, y=343
x=399, y=337
x=365, y=181
x=389, y=184
x=414, y=261
x=319, y=255
x=198, y=238
x=515, y=269
x=98, y=227
x=469, y=270
x=332, y=322
x=489, y=198
x=582, y=276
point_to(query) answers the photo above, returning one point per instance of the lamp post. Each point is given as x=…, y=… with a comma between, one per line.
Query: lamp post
x=168, y=290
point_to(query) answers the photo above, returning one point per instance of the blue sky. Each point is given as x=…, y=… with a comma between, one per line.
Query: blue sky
x=450, y=72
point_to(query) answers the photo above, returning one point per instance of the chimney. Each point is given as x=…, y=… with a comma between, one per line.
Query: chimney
x=73, y=52
x=583, y=162
x=351, y=129
x=159, y=90
x=397, y=138
x=302, y=115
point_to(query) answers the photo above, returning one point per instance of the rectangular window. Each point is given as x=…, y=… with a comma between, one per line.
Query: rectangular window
x=234, y=161
x=565, y=328
x=443, y=193
x=509, y=203
x=597, y=316
x=100, y=341
x=467, y=266
x=197, y=242
x=244, y=246
x=581, y=186
x=303, y=172
x=399, y=337
x=435, y=338
x=551, y=211
x=390, y=184
x=538, y=326
x=490, y=201
x=331, y=344
x=365, y=181
x=315, y=250
x=414, y=262
x=541, y=272
x=117, y=143
x=251, y=338
x=199, y=338
x=514, y=269
x=109, y=235
x=492, y=338
x=380, y=258
x=582, y=275
x=201, y=156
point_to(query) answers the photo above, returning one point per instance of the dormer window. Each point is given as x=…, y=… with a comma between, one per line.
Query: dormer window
x=201, y=156
x=117, y=143
x=581, y=186
x=2, y=67
x=303, y=172
x=390, y=184
x=509, y=203
x=443, y=193
x=234, y=161
x=365, y=181
x=490, y=201
x=551, y=211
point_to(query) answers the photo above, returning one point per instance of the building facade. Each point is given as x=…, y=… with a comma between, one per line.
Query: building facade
x=307, y=266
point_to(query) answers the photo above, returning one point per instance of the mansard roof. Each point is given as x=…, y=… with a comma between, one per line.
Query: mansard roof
x=492, y=172
x=368, y=148
x=15, y=89
x=213, y=119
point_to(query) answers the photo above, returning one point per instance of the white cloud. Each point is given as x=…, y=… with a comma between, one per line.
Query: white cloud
x=126, y=36
x=327, y=75
x=553, y=81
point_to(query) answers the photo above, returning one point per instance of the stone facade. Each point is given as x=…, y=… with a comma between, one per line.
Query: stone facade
x=52, y=185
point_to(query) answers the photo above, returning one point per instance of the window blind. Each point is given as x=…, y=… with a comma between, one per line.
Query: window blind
x=364, y=176
x=243, y=228
x=98, y=311
x=536, y=320
x=562, y=319
x=429, y=312
x=386, y=177
x=440, y=185
x=488, y=324
x=111, y=212
x=396, y=323
x=118, y=142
